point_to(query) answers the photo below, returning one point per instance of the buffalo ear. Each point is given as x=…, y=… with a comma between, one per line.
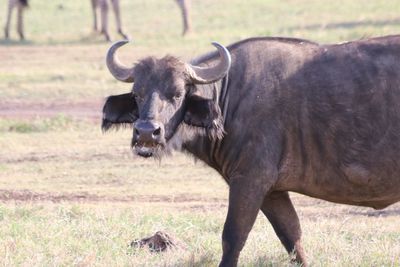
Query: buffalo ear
x=119, y=110
x=205, y=113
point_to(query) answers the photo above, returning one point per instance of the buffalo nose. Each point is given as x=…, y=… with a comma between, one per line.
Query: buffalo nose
x=147, y=131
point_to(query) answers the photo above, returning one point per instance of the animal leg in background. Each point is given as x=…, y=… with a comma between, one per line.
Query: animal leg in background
x=20, y=20
x=20, y=9
x=104, y=18
x=278, y=208
x=117, y=13
x=94, y=9
x=11, y=5
x=184, y=5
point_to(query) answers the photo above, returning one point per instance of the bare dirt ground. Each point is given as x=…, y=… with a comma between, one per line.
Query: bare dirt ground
x=40, y=157
x=89, y=110
x=189, y=202
x=30, y=196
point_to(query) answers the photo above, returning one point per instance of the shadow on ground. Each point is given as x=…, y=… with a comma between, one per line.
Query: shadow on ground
x=11, y=42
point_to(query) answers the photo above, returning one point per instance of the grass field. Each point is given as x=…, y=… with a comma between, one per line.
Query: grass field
x=70, y=195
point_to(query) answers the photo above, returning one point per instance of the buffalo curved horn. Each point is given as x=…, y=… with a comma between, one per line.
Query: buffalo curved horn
x=204, y=75
x=116, y=68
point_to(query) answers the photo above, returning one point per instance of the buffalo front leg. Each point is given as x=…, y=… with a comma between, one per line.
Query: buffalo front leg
x=117, y=13
x=278, y=208
x=245, y=199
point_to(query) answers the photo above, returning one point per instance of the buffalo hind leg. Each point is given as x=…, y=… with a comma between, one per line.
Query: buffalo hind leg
x=278, y=208
x=245, y=199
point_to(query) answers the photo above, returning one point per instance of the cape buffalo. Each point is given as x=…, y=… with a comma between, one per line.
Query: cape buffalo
x=273, y=115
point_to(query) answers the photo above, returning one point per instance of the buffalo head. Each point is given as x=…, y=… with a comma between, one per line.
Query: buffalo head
x=166, y=93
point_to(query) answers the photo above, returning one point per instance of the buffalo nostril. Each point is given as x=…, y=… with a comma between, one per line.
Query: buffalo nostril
x=137, y=132
x=157, y=132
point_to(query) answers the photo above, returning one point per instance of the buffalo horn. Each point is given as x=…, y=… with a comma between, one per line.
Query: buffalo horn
x=117, y=69
x=204, y=75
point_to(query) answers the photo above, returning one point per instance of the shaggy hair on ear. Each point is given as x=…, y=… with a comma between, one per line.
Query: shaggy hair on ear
x=107, y=126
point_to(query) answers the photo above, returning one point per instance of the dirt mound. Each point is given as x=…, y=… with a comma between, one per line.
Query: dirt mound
x=159, y=242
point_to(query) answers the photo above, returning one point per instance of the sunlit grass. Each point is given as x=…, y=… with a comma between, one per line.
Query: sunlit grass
x=64, y=61
x=100, y=234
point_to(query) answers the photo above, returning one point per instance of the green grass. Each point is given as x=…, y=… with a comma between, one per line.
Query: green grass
x=58, y=122
x=79, y=197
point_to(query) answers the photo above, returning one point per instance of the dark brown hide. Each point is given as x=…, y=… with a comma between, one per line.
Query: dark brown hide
x=321, y=120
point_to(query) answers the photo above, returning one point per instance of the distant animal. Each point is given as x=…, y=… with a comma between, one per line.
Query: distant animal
x=98, y=6
x=273, y=115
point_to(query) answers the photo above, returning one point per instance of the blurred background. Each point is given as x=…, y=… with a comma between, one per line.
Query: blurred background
x=70, y=195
